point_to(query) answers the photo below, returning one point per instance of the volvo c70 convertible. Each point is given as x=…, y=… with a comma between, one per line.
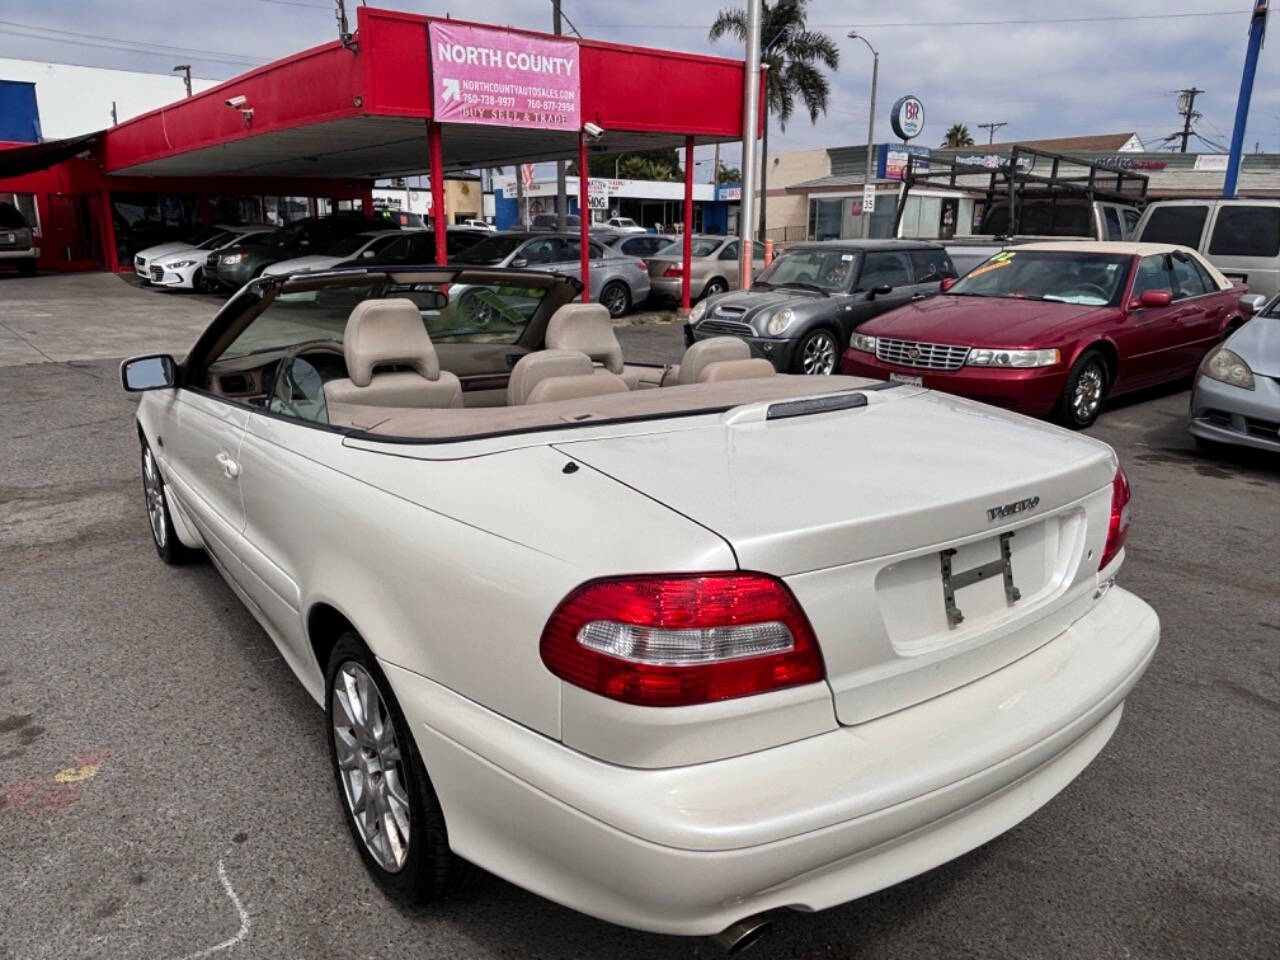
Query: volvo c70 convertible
x=676, y=647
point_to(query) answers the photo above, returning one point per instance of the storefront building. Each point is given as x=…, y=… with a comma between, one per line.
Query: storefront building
x=653, y=204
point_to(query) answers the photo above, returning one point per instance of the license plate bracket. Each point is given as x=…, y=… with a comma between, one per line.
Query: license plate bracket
x=952, y=581
x=906, y=379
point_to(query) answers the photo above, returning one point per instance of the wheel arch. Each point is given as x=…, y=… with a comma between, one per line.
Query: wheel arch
x=1109, y=353
x=325, y=623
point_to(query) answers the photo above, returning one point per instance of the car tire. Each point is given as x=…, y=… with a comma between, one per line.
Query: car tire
x=616, y=297
x=413, y=867
x=714, y=287
x=1085, y=392
x=1212, y=447
x=199, y=284
x=817, y=354
x=27, y=268
x=163, y=536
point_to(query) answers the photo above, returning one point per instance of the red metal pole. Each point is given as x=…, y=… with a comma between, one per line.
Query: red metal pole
x=435, y=157
x=584, y=217
x=687, y=252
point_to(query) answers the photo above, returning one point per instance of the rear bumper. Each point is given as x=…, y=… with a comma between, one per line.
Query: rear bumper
x=1226, y=414
x=1033, y=391
x=808, y=825
x=24, y=253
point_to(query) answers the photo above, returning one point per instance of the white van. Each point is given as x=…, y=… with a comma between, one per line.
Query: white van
x=1239, y=237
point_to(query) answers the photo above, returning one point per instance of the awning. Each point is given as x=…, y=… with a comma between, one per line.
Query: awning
x=16, y=161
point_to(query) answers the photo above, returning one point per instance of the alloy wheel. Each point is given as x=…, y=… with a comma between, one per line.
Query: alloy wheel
x=818, y=355
x=1087, y=395
x=153, y=489
x=370, y=766
x=615, y=300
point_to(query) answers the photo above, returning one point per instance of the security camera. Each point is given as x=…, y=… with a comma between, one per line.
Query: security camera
x=235, y=103
x=593, y=131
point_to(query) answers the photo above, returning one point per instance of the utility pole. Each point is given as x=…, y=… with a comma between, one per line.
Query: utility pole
x=750, y=128
x=715, y=170
x=185, y=70
x=344, y=29
x=991, y=129
x=1187, y=107
x=868, y=177
x=562, y=201
x=1257, y=32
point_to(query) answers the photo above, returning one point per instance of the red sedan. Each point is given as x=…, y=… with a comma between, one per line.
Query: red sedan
x=1053, y=329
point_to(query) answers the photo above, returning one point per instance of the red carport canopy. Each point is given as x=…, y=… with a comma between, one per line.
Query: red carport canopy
x=366, y=110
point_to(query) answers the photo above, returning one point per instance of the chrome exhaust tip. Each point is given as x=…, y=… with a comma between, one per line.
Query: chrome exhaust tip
x=742, y=935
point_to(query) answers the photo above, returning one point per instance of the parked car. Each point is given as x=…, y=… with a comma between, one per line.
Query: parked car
x=478, y=225
x=674, y=657
x=802, y=309
x=18, y=243
x=1239, y=237
x=206, y=238
x=359, y=246
x=185, y=269
x=419, y=247
x=1236, y=396
x=617, y=281
x=403, y=219
x=624, y=225
x=233, y=269
x=714, y=266
x=550, y=221
x=1054, y=329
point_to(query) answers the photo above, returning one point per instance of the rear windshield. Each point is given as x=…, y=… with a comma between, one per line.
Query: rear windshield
x=1246, y=231
x=490, y=251
x=1063, y=219
x=10, y=218
x=1181, y=224
x=1089, y=279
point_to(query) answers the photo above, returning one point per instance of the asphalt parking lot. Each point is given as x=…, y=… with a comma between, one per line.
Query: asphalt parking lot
x=165, y=791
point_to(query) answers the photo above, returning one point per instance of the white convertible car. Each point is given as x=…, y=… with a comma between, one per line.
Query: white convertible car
x=676, y=647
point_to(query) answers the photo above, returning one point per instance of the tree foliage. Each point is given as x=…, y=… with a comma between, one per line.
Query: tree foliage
x=662, y=164
x=957, y=136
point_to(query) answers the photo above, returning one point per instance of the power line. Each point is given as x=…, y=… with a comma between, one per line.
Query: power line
x=1187, y=107
x=933, y=24
x=991, y=129
x=55, y=35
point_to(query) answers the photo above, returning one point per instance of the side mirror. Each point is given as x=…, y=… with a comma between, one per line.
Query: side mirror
x=1153, y=298
x=947, y=284
x=1252, y=303
x=519, y=263
x=366, y=255
x=879, y=290
x=155, y=372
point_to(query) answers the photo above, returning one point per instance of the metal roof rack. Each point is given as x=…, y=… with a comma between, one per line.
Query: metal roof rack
x=1027, y=174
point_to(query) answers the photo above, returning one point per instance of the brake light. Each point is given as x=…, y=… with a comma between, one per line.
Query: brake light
x=675, y=270
x=1118, y=529
x=668, y=641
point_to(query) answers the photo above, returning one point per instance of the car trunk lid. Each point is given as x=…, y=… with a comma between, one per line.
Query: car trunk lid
x=917, y=580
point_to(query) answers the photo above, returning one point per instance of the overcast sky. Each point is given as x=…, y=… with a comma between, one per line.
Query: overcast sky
x=1044, y=79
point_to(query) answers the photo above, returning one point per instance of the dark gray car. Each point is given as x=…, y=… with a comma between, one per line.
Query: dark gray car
x=802, y=309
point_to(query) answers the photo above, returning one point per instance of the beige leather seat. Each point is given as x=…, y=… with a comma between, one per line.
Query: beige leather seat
x=586, y=327
x=386, y=333
x=717, y=359
x=559, y=375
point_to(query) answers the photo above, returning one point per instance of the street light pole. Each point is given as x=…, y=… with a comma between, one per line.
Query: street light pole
x=871, y=130
x=750, y=129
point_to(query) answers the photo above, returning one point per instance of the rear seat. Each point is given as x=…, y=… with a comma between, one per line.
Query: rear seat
x=716, y=359
x=559, y=375
x=586, y=327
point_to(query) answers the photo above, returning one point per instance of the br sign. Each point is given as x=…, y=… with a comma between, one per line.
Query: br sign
x=907, y=118
x=503, y=78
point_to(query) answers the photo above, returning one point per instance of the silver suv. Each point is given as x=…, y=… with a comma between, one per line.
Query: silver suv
x=1239, y=237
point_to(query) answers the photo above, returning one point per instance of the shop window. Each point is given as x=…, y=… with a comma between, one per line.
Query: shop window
x=281, y=210
x=825, y=218
x=235, y=209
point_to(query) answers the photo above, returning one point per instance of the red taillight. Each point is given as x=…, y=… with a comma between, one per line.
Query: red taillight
x=670, y=641
x=1118, y=529
x=675, y=270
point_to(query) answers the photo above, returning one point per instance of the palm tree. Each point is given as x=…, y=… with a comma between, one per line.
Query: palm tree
x=794, y=55
x=957, y=136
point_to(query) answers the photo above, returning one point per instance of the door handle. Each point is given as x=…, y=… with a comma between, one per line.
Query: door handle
x=919, y=296
x=229, y=467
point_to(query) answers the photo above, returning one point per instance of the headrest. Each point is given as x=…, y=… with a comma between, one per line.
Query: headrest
x=704, y=352
x=597, y=384
x=386, y=332
x=586, y=327
x=736, y=370
x=533, y=368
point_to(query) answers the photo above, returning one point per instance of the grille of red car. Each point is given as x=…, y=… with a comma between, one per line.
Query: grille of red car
x=929, y=356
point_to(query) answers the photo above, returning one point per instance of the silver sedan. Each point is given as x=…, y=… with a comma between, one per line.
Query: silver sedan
x=1236, y=397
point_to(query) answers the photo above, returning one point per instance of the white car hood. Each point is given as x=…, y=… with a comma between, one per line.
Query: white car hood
x=164, y=249
x=313, y=262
